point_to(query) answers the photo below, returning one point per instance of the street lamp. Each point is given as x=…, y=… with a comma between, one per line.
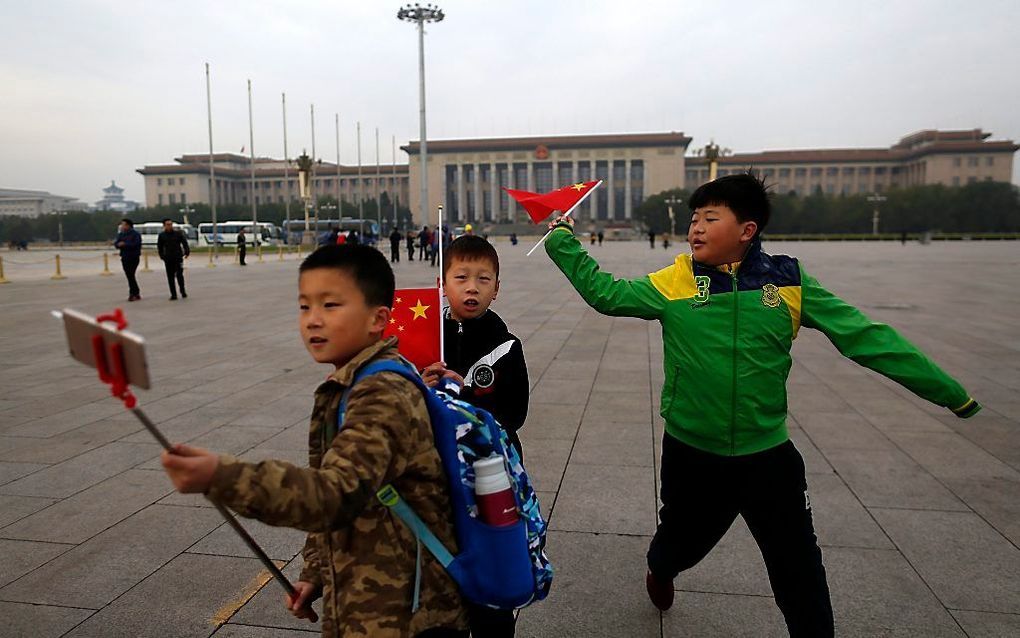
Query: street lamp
x=875, y=199
x=671, y=201
x=185, y=212
x=305, y=164
x=421, y=15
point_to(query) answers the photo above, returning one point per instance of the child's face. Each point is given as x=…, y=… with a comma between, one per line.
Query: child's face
x=335, y=320
x=716, y=235
x=470, y=287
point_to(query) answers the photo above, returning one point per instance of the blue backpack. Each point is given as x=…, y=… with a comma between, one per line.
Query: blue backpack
x=498, y=567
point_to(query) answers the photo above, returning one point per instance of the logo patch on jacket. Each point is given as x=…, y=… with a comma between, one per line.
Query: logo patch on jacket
x=770, y=295
x=484, y=376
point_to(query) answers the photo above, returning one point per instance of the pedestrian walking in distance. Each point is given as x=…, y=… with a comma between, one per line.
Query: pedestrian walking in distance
x=173, y=250
x=129, y=241
x=242, y=247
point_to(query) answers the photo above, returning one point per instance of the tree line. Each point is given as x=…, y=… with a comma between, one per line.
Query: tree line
x=981, y=207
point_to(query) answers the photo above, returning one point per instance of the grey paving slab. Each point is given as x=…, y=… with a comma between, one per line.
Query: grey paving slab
x=613, y=443
x=66, y=445
x=552, y=421
x=83, y=471
x=24, y=620
x=840, y=519
x=546, y=460
x=17, y=558
x=14, y=508
x=188, y=597
x=889, y=478
x=734, y=566
x=814, y=460
x=947, y=455
x=965, y=562
x=248, y=631
x=280, y=543
x=610, y=499
x=61, y=422
x=10, y=472
x=995, y=500
x=593, y=598
x=878, y=593
x=737, y=615
x=101, y=569
x=997, y=435
x=89, y=512
x=266, y=608
x=979, y=624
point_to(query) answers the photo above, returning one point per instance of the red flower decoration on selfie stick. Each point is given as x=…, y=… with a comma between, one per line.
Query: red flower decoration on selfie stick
x=116, y=377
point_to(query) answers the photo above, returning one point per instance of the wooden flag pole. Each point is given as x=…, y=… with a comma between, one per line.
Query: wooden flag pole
x=566, y=214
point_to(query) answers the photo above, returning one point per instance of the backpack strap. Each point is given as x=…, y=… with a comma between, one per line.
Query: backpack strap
x=388, y=495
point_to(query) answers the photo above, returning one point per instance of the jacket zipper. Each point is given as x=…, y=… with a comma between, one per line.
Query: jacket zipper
x=733, y=394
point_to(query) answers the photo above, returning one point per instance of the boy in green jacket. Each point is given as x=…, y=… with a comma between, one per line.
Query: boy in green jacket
x=729, y=314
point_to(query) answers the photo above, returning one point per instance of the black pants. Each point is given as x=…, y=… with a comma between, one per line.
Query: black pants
x=394, y=252
x=423, y=252
x=240, y=254
x=410, y=252
x=491, y=623
x=174, y=268
x=130, y=265
x=703, y=493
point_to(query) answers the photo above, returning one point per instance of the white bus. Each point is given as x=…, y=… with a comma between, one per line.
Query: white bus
x=296, y=228
x=150, y=232
x=227, y=232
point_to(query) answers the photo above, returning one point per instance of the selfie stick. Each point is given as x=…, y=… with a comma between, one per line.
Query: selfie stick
x=566, y=214
x=116, y=378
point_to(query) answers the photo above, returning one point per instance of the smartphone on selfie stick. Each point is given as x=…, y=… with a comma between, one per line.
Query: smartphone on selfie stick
x=119, y=357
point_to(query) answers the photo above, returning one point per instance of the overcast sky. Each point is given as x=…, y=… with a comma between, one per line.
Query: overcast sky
x=92, y=89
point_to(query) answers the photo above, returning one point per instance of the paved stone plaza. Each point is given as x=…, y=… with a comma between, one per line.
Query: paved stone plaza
x=917, y=512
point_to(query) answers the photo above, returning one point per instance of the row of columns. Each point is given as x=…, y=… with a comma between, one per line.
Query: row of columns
x=460, y=214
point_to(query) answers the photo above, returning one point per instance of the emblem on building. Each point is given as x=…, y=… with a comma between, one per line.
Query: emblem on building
x=541, y=152
x=770, y=295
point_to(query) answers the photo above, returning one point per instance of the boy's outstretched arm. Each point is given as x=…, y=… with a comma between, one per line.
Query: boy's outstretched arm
x=603, y=292
x=371, y=448
x=880, y=348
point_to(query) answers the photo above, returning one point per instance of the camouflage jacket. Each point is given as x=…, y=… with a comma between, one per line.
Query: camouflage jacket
x=361, y=555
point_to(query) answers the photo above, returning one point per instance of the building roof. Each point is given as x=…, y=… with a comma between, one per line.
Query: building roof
x=552, y=142
x=910, y=147
x=325, y=168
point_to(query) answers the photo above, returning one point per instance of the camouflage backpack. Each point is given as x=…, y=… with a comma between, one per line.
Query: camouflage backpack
x=499, y=567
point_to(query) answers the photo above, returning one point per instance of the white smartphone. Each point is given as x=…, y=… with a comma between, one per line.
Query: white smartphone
x=80, y=329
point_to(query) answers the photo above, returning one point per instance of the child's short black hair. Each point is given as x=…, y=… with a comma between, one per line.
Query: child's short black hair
x=470, y=248
x=366, y=265
x=745, y=194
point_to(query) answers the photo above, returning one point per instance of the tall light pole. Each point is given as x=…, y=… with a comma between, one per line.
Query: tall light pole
x=187, y=210
x=212, y=170
x=671, y=201
x=421, y=15
x=393, y=182
x=877, y=200
x=286, y=173
x=361, y=192
x=251, y=143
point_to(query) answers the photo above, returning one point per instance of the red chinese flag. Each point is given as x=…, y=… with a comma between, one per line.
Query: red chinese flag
x=541, y=206
x=415, y=323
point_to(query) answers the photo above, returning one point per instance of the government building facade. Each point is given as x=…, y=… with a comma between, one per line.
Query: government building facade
x=467, y=176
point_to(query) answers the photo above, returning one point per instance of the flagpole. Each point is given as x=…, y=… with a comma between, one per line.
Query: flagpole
x=442, y=292
x=566, y=214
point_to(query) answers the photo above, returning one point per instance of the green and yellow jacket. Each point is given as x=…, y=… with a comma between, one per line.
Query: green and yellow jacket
x=727, y=334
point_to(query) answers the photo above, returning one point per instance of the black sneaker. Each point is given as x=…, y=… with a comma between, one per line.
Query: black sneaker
x=659, y=592
x=184, y=294
x=173, y=298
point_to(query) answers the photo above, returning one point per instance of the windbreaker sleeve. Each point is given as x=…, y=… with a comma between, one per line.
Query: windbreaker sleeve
x=372, y=446
x=880, y=348
x=601, y=290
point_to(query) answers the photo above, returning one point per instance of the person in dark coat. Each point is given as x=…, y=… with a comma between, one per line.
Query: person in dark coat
x=173, y=250
x=242, y=247
x=130, y=244
x=395, y=238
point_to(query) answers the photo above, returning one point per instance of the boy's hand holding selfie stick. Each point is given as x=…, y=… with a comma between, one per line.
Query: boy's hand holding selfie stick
x=118, y=355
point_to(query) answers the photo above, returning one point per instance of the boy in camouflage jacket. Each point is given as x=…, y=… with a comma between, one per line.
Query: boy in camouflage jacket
x=358, y=557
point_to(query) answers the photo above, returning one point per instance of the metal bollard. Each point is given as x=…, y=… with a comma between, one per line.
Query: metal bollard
x=281, y=251
x=299, y=251
x=145, y=259
x=235, y=254
x=258, y=249
x=3, y=280
x=106, y=265
x=57, y=275
x=210, y=264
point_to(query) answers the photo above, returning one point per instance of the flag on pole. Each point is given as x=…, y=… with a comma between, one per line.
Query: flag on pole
x=415, y=323
x=541, y=206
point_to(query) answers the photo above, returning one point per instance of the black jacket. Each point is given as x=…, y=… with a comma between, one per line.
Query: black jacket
x=172, y=245
x=130, y=244
x=491, y=360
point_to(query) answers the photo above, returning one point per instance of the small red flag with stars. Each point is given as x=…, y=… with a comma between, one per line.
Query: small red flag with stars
x=541, y=206
x=415, y=323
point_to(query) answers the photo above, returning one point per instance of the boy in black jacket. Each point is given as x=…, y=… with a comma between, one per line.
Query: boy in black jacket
x=488, y=363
